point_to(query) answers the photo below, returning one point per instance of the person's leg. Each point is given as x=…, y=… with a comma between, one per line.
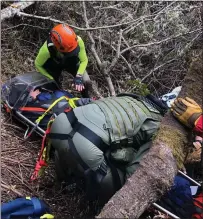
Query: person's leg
x=54, y=70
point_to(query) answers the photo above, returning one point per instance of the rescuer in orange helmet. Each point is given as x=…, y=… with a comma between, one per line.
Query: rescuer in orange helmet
x=64, y=50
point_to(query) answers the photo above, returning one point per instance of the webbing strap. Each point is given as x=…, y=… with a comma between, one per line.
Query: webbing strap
x=83, y=130
x=36, y=109
x=70, y=101
x=37, y=206
x=51, y=106
x=86, y=133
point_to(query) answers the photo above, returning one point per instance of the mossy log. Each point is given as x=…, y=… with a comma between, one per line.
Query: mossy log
x=166, y=156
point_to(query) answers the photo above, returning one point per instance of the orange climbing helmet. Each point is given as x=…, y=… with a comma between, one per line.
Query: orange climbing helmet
x=65, y=39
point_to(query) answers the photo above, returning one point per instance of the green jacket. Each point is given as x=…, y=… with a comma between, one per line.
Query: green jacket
x=44, y=55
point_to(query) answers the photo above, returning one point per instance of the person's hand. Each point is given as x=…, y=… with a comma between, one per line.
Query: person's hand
x=34, y=94
x=186, y=111
x=198, y=142
x=78, y=81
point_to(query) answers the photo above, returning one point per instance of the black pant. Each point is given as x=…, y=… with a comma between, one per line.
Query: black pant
x=71, y=65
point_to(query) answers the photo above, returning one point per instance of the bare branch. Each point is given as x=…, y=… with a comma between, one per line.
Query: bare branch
x=117, y=53
x=114, y=8
x=161, y=41
x=76, y=27
x=28, y=25
x=151, y=72
x=122, y=57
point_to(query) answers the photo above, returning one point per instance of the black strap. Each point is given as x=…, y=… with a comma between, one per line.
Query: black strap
x=85, y=132
x=51, y=48
x=114, y=172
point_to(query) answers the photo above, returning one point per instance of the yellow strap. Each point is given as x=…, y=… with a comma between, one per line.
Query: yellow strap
x=70, y=101
x=28, y=197
x=52, y=105
x=47, y=216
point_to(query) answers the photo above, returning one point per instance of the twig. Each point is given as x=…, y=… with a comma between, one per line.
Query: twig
x=114, y=8
x=162, y=10
x=9, y=28
x=14, y=126
x=15, y=175
x=155, y=69
x=12, y=189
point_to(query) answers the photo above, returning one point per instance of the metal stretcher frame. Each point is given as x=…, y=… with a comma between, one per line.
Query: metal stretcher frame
x=165, y=210
x=18, y=115
x=40, y=81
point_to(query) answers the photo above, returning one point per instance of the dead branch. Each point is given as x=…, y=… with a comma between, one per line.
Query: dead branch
x=117, y=53
x=76, y=27
x=12, y=188
x=19, y=25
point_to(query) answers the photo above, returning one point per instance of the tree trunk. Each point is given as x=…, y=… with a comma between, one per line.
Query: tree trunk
x=14, y=9
x=160, y=165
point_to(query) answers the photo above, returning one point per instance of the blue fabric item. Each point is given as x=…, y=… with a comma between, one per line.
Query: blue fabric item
x=180, y=191
x=59, y=94
x=24, y=208
x=179, y=199
x=43, y=96
x=37, y=205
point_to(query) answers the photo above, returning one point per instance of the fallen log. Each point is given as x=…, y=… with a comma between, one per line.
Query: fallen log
x=14, y=9
x=166, y=156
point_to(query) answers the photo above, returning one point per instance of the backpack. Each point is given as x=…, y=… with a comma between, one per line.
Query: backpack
x=25, y=208
x=198, y=202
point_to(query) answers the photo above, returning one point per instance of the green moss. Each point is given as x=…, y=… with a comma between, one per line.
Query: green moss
x=175, y=140
x=139, y=87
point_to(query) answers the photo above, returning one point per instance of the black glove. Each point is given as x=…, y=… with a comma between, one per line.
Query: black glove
x=78, y=81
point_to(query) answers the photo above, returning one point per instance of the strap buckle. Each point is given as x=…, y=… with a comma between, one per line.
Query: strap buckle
x=102, y=168
x=130, y=140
